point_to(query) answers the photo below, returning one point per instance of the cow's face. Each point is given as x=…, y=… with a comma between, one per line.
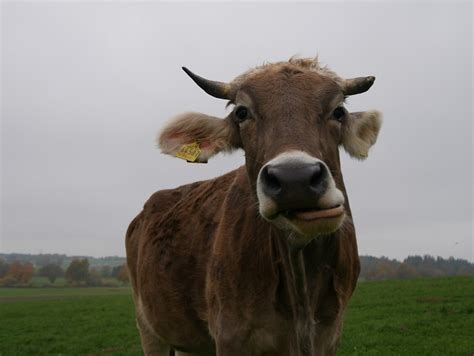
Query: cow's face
x=290, y=119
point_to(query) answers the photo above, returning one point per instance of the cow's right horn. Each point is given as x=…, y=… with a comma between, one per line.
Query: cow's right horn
x=216, y=89
x=357, y=85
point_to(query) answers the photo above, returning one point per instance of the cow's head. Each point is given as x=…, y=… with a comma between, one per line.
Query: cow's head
x=290, y=120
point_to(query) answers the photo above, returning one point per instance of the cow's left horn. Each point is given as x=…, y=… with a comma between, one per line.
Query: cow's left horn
x=216, y=89
x=357, y=85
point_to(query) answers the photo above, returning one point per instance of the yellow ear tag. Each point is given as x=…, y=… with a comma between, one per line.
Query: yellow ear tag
x=189, y=152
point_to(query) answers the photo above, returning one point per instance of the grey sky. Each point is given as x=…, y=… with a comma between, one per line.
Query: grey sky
x=86, y=87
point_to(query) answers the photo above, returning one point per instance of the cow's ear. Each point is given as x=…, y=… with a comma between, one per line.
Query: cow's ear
x=360, y=132
x=196, y=137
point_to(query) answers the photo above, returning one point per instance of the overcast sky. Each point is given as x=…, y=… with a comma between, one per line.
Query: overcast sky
x=86, y=87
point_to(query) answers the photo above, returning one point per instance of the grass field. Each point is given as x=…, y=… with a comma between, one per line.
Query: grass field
x=39, y=282
x=410, y=317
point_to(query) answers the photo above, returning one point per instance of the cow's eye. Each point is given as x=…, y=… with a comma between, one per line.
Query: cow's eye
x=338, y=113
x=241, y=113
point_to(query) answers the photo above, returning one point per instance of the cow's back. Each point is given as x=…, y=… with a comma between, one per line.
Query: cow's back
x=168, y=247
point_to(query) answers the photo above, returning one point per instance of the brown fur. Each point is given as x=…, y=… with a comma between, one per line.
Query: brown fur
x=210, y=275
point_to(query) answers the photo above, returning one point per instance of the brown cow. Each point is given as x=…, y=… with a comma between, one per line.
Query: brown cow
x=262, y=260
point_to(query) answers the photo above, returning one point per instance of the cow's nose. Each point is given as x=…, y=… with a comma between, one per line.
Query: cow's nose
x=294, y=186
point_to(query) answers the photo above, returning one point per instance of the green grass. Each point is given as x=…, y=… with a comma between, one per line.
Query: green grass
x=43, y=282
x=59, y=293
x=70, y=321
x=37, y=282
x=412, y=317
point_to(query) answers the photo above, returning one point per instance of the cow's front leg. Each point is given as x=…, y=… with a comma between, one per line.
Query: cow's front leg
x=232, y=347
x=327, y=338
x=231, y=337
x=151, y=344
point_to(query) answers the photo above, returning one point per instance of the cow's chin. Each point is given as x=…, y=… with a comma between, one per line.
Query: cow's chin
x=305, y=225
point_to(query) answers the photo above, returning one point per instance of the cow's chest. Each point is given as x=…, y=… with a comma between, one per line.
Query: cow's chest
x=262, y=333
x=270, y=338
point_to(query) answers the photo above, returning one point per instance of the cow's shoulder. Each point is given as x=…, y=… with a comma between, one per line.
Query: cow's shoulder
x=193, y=198
x=188, y=213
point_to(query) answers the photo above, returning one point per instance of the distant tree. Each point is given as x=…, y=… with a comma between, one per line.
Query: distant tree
x=123, y=274
x=116, y=271
x=18, y=273
x=42, y=260
x=4, y=266
x=51, y=271
x=406, y=271
x=105, y=271
x=374, y=268
x=413, y=261
x=94, y=279
x=78, y=271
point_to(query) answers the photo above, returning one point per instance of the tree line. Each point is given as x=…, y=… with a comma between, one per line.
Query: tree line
x=20, y=270
x=61, y=260
x=374, y=268
x=77, y=273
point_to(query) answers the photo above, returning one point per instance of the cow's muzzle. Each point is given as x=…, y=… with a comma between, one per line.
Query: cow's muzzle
x=297, y=191
x=294, y=185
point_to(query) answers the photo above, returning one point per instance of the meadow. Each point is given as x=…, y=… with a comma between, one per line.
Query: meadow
x=404, y=317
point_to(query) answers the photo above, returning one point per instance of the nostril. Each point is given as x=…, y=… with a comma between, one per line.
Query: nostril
x=317, y=175
x=270, y=181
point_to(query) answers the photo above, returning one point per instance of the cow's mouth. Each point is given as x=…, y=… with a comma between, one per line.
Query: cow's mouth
x=308, y=223
x=314, y=214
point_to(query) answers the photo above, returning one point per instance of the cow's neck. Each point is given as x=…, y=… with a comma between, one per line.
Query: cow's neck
x=297, y=271
x=297, y=289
